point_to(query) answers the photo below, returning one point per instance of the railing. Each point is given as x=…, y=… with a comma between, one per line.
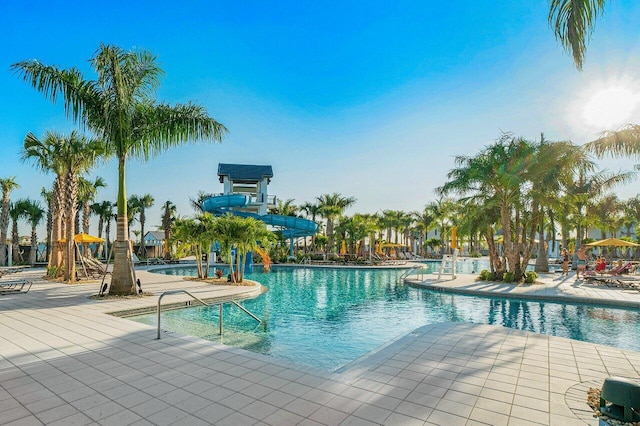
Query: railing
x=155, y=261
x=221, y=305
x=409, y=272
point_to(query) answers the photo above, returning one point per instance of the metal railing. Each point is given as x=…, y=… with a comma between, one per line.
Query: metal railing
x=220, y=304
x=409, y=272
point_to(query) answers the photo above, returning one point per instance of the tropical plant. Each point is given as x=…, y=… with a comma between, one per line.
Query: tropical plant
x=573, y=22
x=104, y=211
x=69, y=157
x=87, y=191
x=498, y=176
x=142, y=203
x=34, y=213
x=196, y=203
x=7, y=185
x=194, y=236
x=285, y=208
x=19, y=210
x=311, y=211
x=332, y=206
x=168, y=216
x=41, y=153
x=48, y=197
x=118, y=107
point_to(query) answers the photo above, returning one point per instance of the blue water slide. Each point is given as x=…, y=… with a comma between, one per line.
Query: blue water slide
x=292, y=226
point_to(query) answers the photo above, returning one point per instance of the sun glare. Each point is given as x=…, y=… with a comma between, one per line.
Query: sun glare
x=610, y=107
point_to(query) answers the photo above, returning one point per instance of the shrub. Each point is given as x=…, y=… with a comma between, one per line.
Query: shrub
x=530, y=277
x=508, y=277
x=52, y=271
x=484, y=275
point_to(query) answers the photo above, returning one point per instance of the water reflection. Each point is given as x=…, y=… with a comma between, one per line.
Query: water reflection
x=332, y=316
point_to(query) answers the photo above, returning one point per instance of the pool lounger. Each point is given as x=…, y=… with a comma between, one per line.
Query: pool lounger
x=15, y=286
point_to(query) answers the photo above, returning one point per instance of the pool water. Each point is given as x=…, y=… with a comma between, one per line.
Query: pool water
x=329, y=317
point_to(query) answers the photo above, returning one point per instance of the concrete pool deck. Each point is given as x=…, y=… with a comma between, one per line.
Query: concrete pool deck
x=64, y=360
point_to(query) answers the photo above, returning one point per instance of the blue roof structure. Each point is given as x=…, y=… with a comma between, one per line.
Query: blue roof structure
x=249, y=173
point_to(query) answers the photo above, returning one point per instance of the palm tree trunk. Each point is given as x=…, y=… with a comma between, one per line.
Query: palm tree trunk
x=4, y=229
x=71, y=194
x=34, y=246
x=49, y=227
x=143, y=249
x=86, y=213
x=122, y=282
x=57, y=202
x=15, y=242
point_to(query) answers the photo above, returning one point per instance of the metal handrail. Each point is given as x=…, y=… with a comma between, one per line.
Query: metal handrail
x=221, y=305
x=409, y=272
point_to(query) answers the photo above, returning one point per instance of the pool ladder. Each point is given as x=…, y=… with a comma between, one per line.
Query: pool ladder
x=221, y=305
x=405, y=274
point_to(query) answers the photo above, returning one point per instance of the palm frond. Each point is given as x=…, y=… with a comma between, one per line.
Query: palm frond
x=573, y=22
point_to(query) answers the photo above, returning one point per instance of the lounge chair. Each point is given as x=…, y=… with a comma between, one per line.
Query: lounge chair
x=15, y=287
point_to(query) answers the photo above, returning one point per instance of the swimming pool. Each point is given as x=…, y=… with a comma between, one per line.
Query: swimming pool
x=329, y=317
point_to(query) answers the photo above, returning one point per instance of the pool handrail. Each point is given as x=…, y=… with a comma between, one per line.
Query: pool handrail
x=220, y=304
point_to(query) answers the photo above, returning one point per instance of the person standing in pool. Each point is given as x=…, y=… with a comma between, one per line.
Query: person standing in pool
x=582, y=261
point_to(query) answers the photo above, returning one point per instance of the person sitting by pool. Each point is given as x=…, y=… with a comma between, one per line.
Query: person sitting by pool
x=582, y=261
x=601, y=264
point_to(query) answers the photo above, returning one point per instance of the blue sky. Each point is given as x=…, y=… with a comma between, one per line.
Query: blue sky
x=369, y=99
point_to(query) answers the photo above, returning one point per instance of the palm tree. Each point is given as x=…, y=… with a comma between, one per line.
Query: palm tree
x=41, y=152
x=7, y=185
x=69, y=156
x=104, y=211
x=311, y=211
x=194, y=236
x=48, y=197
x=573, y=22
x=34, y=213
x=142, y=203
x=497, y=175
x=19, y=210
x=196, y=202
x=331, y=207
x=286, y=208
x=118, y=107
x=168, y=216
x=87, y=192
x=424, y=222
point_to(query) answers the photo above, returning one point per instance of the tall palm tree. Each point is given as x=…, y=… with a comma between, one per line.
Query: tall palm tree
x=168, y=216
x=41, y=153
x=311, y=211
x=424, y=221
x=104, y=211
x=7, y=185
x=69, y=157
x=142, y=203
x=286, y=208
x=34, y=213
x=119, y=108
x=333, y=206
x=19, y=210
x=48, y=197
x=497, y=175
x=87, y=191
x=573, y=22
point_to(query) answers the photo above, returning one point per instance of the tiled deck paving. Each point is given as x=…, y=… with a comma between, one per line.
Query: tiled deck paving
x=64, y=361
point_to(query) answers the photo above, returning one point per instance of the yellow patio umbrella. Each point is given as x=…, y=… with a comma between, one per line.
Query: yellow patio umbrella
x=84, y=238
x=612, y=242
x=454, y=230
x=343, y=248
